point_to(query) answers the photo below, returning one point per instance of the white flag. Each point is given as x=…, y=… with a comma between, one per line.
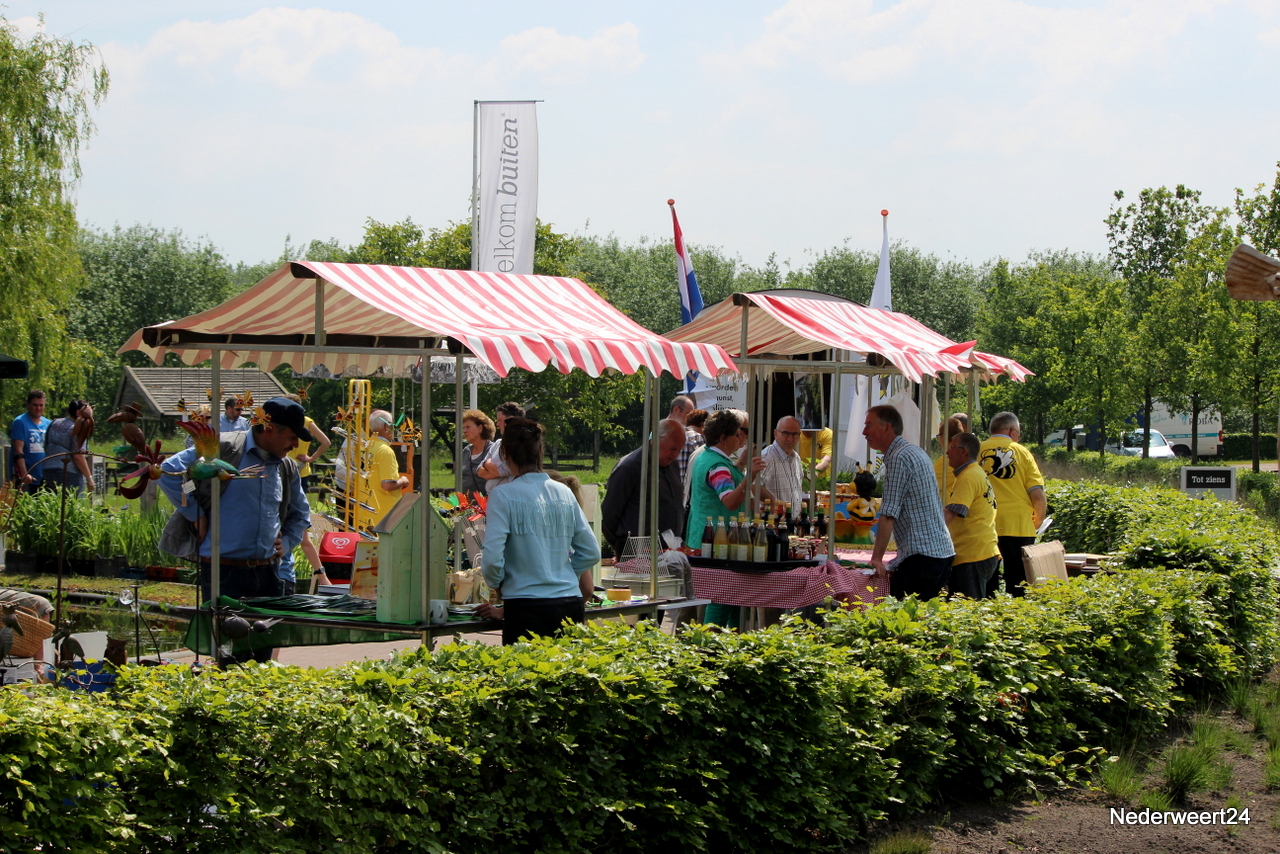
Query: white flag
x=505, y=186
x=882, y=291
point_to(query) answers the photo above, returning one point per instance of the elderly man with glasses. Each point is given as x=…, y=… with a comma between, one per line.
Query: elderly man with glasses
x=1020, y=501
x=784, y=472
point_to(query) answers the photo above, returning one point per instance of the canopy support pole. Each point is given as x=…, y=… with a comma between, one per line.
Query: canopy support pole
x=834, y=468
x=748, y=495
x=320, y=333
x=458, y=445
x=650, y=406
x=424, y=500
x=946, y=438
x=215, y=499
x=653, y=388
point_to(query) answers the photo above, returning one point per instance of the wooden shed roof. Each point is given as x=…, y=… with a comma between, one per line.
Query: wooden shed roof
x=159, y=389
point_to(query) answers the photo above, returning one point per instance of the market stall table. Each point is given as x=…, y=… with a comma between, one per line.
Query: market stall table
x=296, y=628
x=795, y=588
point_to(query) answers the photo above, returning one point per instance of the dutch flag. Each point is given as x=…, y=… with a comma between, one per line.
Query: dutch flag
x=686, y=280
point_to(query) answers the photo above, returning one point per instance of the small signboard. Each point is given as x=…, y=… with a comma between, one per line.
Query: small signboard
x=1219, y=481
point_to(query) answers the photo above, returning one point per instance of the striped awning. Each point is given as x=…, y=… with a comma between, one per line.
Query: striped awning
x=794, y=322
x=377, y=316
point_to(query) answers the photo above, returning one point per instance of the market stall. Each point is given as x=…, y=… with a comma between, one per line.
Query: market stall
x=795, y=330
x=361, y=319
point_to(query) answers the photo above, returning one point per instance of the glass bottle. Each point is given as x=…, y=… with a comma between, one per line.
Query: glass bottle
x=760, y=545
x=721, y=542
x=708, y=538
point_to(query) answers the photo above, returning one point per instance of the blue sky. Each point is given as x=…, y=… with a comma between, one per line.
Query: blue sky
x=987, y=127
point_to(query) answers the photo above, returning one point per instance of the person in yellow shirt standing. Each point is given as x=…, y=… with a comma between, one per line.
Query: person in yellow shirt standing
x=1020, y=501
x=303, y=453
x=970, y=510
x=822, y=455
x=381, y=470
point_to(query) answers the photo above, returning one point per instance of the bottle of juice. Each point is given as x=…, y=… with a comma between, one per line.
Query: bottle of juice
x=708, y=538
x=721, y=542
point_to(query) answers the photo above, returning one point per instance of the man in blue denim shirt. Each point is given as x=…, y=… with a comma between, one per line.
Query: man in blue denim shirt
x=253, y=535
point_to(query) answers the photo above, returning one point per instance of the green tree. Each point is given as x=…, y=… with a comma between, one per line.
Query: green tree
x=1011, y=325
x=1259, y=322
x=1190, y=333
x=49, y=86
x=1149, y=242
x=136, y=277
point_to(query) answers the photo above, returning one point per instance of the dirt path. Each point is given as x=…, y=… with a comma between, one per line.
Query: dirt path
x=1092, y=822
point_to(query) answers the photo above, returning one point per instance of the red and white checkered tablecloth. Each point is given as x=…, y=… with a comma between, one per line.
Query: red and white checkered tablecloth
x=796, y=588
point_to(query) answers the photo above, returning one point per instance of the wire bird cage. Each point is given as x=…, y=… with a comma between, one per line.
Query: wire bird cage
x=635, y=564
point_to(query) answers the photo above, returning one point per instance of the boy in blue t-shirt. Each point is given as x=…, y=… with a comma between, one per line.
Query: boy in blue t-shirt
x=26, y=434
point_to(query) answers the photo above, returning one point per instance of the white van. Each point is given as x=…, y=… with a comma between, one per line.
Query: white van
x=1176, y=428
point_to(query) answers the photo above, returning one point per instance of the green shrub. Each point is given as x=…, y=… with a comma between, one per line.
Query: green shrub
x=611, y=738
x=1239, y=446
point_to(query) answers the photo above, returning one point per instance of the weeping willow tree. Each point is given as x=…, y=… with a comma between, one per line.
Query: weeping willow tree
x=47, y=88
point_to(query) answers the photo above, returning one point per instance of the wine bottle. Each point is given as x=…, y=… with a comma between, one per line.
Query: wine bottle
x=708, y=539
x=803, y=524
x=760, y=545
x=771, y=540
x=820, y=525
x=744, y=539
x=784, y=542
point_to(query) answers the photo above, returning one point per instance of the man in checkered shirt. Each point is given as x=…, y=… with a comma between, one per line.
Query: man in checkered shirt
x=784, y=472
x=910, y=512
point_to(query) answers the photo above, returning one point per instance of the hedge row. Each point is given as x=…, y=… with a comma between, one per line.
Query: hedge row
x=1239, y=446
x=611, y=738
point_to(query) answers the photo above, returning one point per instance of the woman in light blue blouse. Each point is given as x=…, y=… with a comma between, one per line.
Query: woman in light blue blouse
x=538, y=547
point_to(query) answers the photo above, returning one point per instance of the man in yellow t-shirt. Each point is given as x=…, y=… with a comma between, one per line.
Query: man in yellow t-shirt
x=303, y=453
x=1020, y=501
x=821, y=457
x=970, y=511
x=381, y=471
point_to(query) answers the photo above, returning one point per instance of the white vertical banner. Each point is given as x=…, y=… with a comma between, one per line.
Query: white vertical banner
x=504, y=186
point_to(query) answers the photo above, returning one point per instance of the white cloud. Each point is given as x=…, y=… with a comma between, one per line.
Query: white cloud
x=287, y=49
x=27, y=26
x=561, y=59
x=852, y=42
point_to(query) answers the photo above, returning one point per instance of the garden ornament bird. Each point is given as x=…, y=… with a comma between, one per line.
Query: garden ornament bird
x=127, y=419
x=208, y=462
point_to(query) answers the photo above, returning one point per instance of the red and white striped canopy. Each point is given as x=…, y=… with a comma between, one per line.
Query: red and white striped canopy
x=792, y=322
x=508, y=321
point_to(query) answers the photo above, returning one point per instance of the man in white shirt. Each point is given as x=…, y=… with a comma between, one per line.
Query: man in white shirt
x=783, y=475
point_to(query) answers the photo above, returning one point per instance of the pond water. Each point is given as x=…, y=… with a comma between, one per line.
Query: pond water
x=157, y=633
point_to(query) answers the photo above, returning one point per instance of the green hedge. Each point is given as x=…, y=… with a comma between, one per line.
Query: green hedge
x=794, y=738
x=1239, y=446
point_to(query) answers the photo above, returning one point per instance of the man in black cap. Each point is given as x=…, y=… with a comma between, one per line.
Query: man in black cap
x=262, y=517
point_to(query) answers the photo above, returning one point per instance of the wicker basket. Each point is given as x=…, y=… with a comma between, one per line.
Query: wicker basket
x=30, y=644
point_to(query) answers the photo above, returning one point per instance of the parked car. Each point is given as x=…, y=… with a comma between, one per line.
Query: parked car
x=1130, y=445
